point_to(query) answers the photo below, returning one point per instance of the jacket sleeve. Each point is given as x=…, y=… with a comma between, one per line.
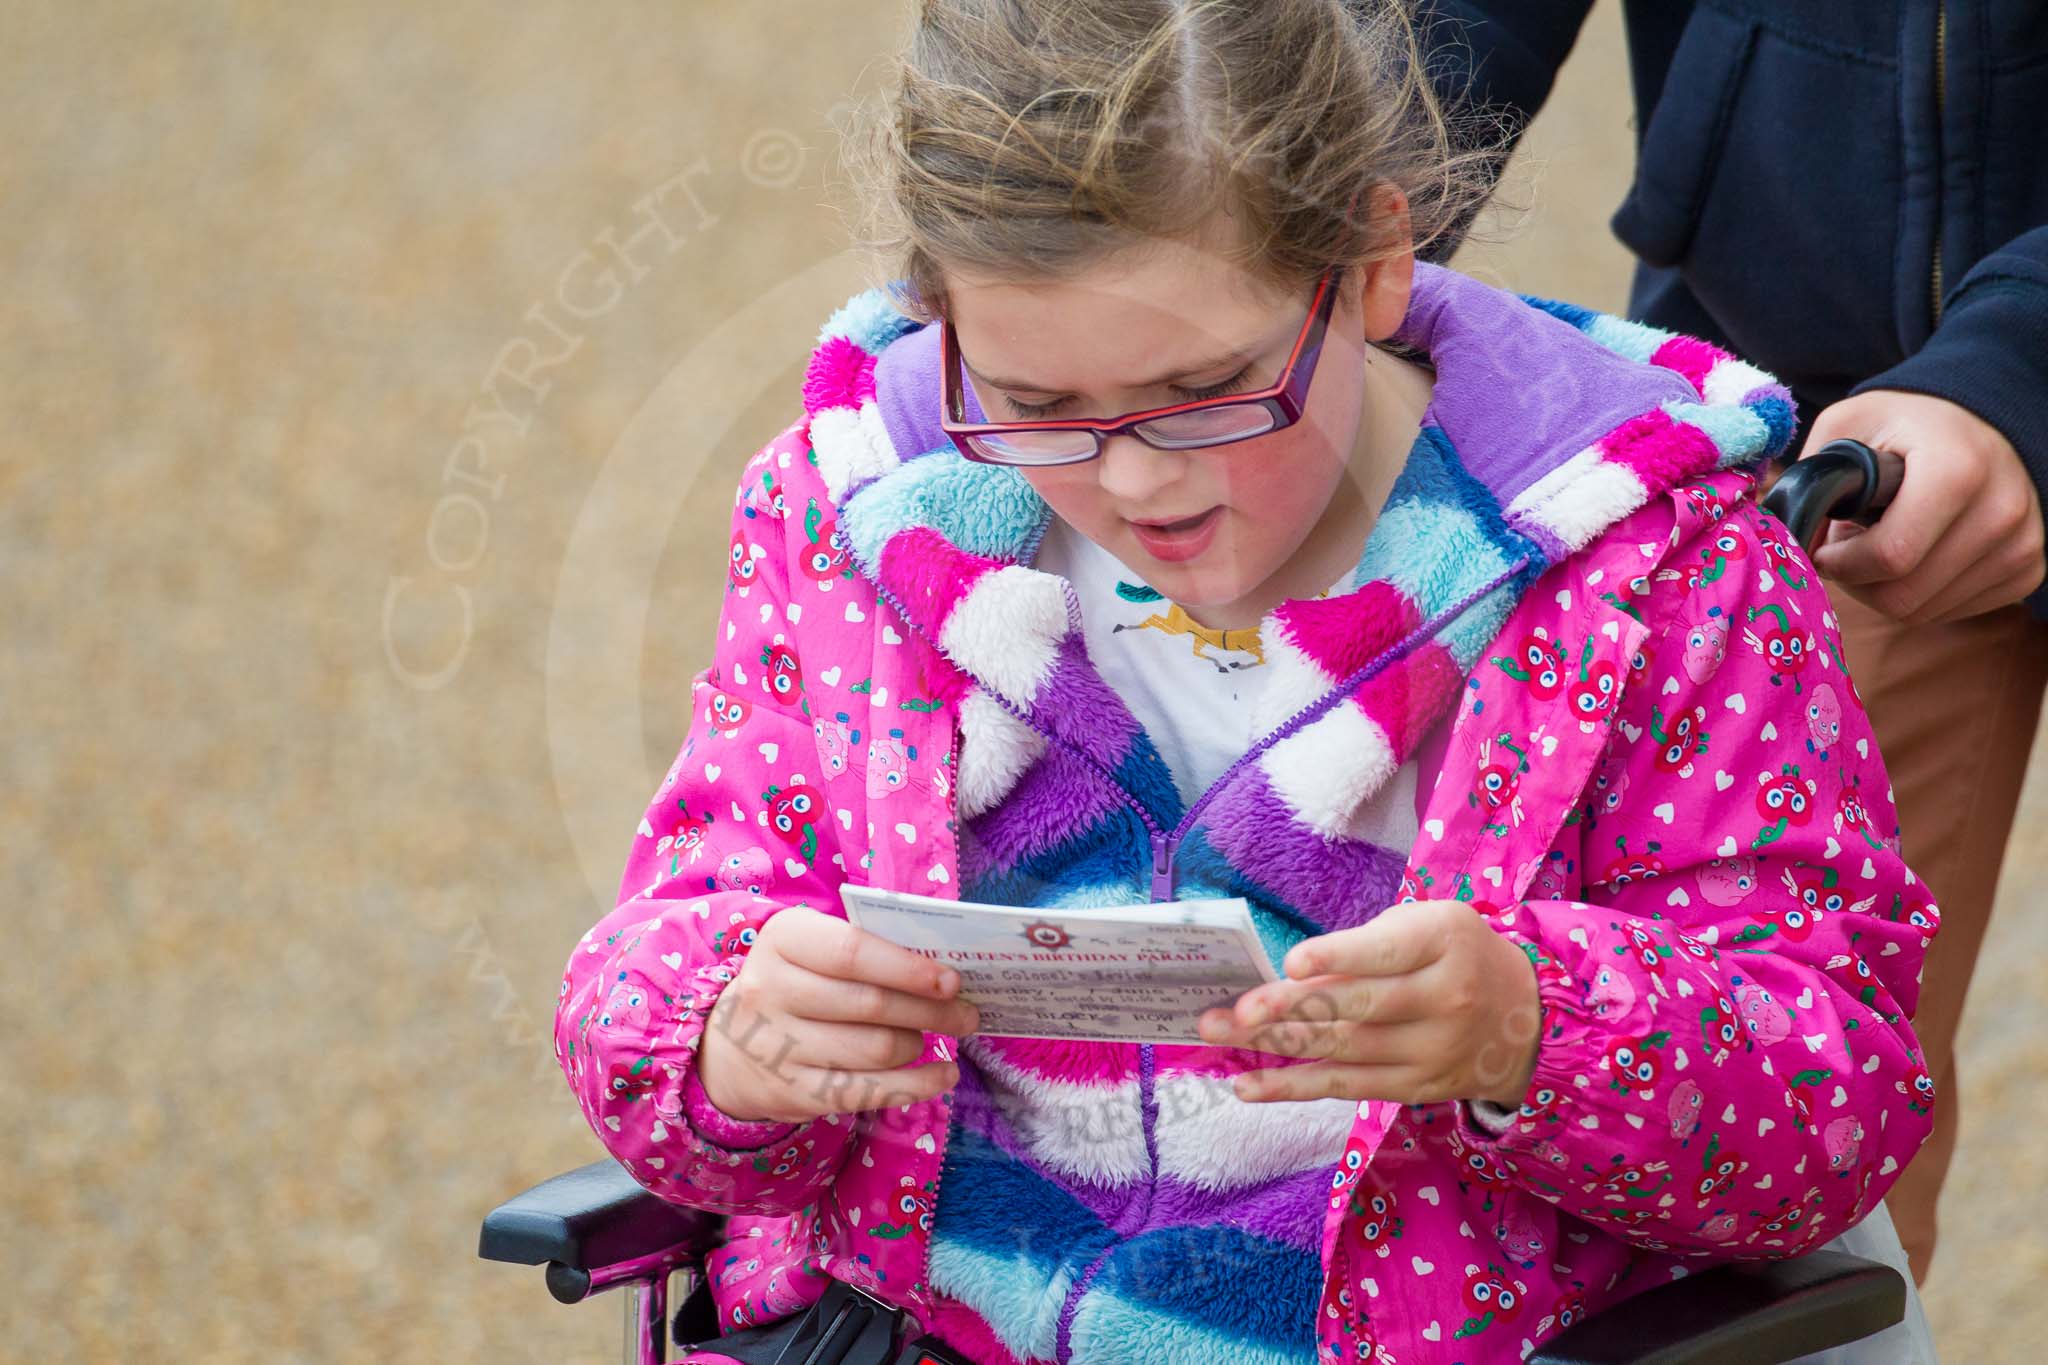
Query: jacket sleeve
x=1726, y=1062
x=1990, y=355
x=713, y=858
x=1499, y=57
x=1492, y=67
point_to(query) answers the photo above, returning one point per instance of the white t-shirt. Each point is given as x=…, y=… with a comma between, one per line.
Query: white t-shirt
x=1191, y=687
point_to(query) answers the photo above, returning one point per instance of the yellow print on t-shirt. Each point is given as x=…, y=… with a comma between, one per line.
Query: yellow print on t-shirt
x=1203, y=638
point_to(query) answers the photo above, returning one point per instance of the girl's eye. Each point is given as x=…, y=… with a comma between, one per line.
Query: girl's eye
x=1031, y=412
x=1217, y=390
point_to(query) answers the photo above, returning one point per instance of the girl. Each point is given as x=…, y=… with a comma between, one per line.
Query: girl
x=1172, y=532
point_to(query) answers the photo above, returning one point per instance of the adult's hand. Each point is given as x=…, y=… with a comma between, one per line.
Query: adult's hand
x=1964, y=534
x=1426, y=1002
x=825, y=1018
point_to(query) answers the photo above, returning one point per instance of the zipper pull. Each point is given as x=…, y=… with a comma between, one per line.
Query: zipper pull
x=1162, y=867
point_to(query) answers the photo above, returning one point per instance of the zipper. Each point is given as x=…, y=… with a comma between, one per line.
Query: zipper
x=1165, y=843
x=1940, y=107
x=918, y=1286
x=1164, y=846
x=1148, y=1110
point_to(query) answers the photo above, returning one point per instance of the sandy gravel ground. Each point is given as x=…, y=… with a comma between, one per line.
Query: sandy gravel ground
x=332, y=692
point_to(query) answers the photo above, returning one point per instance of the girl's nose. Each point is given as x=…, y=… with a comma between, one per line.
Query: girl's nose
x=1132, y=472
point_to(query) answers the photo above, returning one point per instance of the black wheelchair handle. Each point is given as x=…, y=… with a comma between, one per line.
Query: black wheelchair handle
x=1842, y=481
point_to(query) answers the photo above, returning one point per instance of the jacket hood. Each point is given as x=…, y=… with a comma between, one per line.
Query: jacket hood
x=1548, y=424
x=1570, y=418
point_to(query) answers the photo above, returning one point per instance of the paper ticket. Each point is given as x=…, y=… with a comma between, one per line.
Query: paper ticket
x=1126, y=974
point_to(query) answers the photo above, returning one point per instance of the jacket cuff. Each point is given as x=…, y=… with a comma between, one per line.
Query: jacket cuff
x=1489, y=1117
x=1990, y=355
x=716, y=1128
x=1482, y=1123
x=713, y=1126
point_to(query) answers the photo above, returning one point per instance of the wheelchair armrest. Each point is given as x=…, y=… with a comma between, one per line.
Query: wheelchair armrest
x=1753, y=1311
x=593, y=1216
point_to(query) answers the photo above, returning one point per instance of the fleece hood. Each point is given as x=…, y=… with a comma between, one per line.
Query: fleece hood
x=1548, y=424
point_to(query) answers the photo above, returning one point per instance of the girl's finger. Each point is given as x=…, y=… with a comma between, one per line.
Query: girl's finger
x=779, y=1046
x=831, y=947
x=1325, y=999
x=1327, y=1080
x=804, y=993
x=1339, y=1042
x=1406, y=937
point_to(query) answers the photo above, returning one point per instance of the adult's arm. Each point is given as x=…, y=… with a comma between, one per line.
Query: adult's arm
x=1492, y=66
x=1990, y=355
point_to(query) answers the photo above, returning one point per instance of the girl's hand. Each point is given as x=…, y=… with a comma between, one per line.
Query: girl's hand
x=1425, y=1003
x=1964, y=534
x=825, y=1018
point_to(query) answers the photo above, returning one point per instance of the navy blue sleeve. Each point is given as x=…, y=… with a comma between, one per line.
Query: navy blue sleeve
x=1492, y=67
x=1990, y=355
x=1500, y=57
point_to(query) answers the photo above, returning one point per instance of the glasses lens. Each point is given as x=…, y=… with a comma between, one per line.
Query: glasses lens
x=1033, y=447
x=1209, y=426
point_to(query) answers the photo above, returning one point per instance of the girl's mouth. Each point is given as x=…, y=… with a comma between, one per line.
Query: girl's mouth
x=1179, y=540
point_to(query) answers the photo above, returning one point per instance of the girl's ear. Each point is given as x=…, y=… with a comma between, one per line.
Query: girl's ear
x=1383, y=284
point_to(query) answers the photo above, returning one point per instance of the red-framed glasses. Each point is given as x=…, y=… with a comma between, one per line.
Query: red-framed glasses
x=1181, y=426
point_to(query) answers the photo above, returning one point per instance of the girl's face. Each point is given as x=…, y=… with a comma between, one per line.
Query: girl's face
x=1228, y=532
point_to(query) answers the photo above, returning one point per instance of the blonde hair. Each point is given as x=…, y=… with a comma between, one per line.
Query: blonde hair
x=1029, y=138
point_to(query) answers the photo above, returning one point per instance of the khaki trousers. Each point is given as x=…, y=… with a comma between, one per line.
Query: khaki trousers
x=1955, y=708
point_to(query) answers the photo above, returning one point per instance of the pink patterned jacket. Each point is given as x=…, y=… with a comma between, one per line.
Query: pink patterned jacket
x=1689, y=831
